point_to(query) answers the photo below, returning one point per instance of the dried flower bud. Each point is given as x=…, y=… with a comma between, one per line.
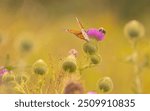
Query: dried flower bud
x=70, y=65
x=73, y=88
x=21, y=78
x=105, y=85
x=95, y=59
x=8, y=78
x=40, y=67
x=73, y=52
x=89, y=48
x=134, y=29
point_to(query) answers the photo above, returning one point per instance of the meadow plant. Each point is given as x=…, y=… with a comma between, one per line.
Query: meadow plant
x=134, y=30
x=73, y=88
x=44, y=78
x=105, y=84
x=40, y=67
x=70, y=64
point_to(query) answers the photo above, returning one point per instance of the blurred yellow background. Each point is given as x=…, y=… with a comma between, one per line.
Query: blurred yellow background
x=44, y=21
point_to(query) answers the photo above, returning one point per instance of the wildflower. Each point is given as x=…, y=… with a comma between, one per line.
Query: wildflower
x=134, y=29
x=105, y=84
x=3, y=71
x=95, y=59
x=40, y=67
x=98, y=34
x=73, y=88
x=73, y=52
x=69, y=64
x=90, y=48
x=91, y=92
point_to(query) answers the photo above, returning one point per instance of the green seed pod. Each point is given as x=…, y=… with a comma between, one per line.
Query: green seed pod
x=95, y=59
x=105, y=84
x=21, y=78
x=69, y=64
x=89, y=48
x=134, y=29
x=40, y=67
x=8, y=78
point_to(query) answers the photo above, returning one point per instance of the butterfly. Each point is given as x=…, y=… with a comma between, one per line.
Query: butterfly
x=85, y=34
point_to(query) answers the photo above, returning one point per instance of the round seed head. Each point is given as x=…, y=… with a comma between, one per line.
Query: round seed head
x=134, y=29
x=89, y=48
x=95, y=59
x=69, y=64
x=105, y=84
x=40, y=67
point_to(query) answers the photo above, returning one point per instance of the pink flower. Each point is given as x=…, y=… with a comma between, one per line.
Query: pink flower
x=99, y=34
x=73, y=52
x=91, y=92
x=3, y=70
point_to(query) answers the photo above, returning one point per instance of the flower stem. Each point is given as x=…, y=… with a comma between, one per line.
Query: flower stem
x=137, y=85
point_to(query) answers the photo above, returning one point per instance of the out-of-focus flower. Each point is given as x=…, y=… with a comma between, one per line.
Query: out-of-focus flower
x=40, y=67
x=3, y=71
x=70, y=64
x=98, y=34
x=89, y=48
x=24, y=42
x=74, y=88
x=105, y=84
x=134, y=29
x=26, y=45
x=73, y=52
x=91, y=92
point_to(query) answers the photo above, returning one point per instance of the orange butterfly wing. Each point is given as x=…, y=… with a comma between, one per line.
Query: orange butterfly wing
x=76, y=33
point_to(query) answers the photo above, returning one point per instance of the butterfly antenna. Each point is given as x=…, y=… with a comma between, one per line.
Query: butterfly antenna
x=79, y=23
